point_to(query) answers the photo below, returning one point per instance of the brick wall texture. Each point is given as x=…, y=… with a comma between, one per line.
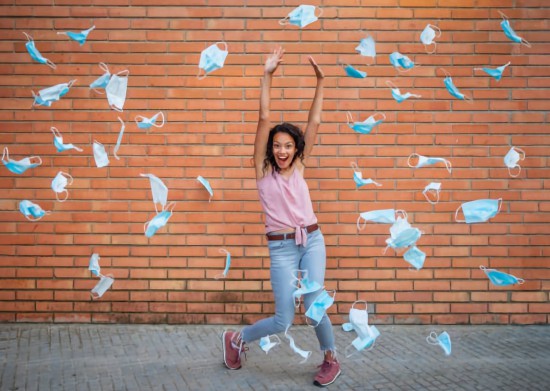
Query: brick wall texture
x=211, y=123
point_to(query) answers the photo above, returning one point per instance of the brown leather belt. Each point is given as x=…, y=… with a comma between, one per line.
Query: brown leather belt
x=291, y=235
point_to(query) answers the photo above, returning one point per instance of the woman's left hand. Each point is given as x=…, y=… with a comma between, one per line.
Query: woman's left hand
x=318, y=72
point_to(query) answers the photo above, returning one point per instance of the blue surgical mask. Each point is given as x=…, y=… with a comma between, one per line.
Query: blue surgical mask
x=266, y=344
x=366, y=126
x=512, y=158
x=102, y=286
x=432, y=187
x=100, y=155
x=227, y=264
x=479, y=211
x=212, y=58
x=301, y=16
x=451, y=88
x=367, y=47
x=384, y=216
x=29, y=209
x=318, y=308
x=352, y=72
x=94, y=265
x=496, y=73
x=499, y=278
x=366, y=334
x=20, y=166
x=116, y=90
x=207, y=186
x=35, y=54
x=424, y=161
x=306, y=286
x=358, y=177
x=510, y=33
x=428, y=35
x=159, y=221
x=52, y=94
x=397, y=95
x=145, y=123
x=304, y=353
x=103, y=80
x=59, y=183
x=58, y=142
x=400, y=62
x=443, y=340
x=159, y=190
x=402, y=235
x=78, y=37
x=415, y=257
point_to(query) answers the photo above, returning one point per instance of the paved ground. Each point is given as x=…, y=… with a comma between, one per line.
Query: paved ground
x=160, y=357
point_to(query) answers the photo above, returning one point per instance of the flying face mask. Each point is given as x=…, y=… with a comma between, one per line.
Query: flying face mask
x=35, y=54
x=358, y=177
x=31, y=211
x=318, y=308
x=207, y=186
x=383, y=216
x=212, y=58
x=479, y=211
x=452, y=89
x=100, y=155
x=116, y=90
x=52, y=94
x=102, y=81
x=432, y=191
x=366, y=334
x=94, y=265
x=303, y=353
x=146, y=123
x=415, y=257
x=20, y=166
x=366, y=126
x=423, y=161
x=305, y=286
x=402, y=234
x=499, y=278
x=61, y=180
x=102, y=286
x=428, y=36
x=266, y=344
x=495, y=73
x=159, y=221
x=512, y=159
x=78, y=37
x=397, y=95
x=443, y=340
x=400, y=62
x=159, y=190
x=58, y=142
x=367, y=47
x=227, y=264
x=352, y=72
x=510, y=33
x=301, y=16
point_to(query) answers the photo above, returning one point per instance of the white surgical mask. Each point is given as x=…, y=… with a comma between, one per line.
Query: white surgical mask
x=116, y=90
x=61, y=180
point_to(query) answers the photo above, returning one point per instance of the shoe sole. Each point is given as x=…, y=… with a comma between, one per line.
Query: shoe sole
x=224, y=360
x=327, y=384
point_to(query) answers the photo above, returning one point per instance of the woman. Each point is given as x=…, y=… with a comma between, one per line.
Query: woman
x=294, y=239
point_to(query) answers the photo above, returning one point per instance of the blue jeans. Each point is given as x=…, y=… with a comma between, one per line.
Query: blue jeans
x=286, y=259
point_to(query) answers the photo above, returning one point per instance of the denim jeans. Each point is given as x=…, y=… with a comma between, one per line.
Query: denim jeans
x=286, y=259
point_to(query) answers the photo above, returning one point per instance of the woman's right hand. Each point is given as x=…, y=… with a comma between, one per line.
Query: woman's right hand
x=273, y=61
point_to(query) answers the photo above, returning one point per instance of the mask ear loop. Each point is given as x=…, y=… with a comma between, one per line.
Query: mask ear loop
x=456, y=215
x=403, y=213
x=222, y=43
x=119, y=139
x=448, y=165
x=304, y=353
x=361, y=227
x=383, y=115
x=432, y=338
x=499, y=205
x=285, y=21
x=349, y=118
x=66, y=195
x=227, y=264
x=37, y=158
x=390, y=84
x=510, y=171
x=5, y=154
x=425, y=193
x=412, y=156
x=162, y=124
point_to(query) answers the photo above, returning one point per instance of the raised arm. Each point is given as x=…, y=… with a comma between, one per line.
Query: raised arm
x=314, y=118
x=262, y=131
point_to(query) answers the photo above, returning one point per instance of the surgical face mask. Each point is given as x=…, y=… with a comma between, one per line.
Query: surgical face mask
x=510, y=33
x=116, y=90
x=431, y=188
x=159, y=221
x=424, y=161
x=367, y=47
x=384, y=216
x=266, y=344
x=212, y=58
x=443, y=340
x=451, y=88
x=400, y=62
x=94, y=265
x=103, y=80
x=78, y=37
x=306, y=286
x=402, y=234
x=366, y=126
x=428, y=35
x=352, y=72
x=301, y=16
x=227, y=264
x=35, y=54
x=20, y=166
x=207, y=186
x=52, y=94
x=304, y=353
x=159, y=190
x=29, y=209
x=358, y=177
x=146, y=123
x=366, y=334
x=495, y=73
x=347, y=327
x=415, y=257
x=100, y=155
x=479, y=211
x=58, y=142
x=499, y=278
x=512, y=158
x=397, y=95
x=102, y=286
x=61, y=180
x=318, y=308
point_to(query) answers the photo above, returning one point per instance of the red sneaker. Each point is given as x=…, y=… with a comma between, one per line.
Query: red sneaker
x=231, y=351
x=328, y=373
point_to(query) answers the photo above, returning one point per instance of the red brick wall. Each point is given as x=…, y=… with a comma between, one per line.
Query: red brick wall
x=210, y=132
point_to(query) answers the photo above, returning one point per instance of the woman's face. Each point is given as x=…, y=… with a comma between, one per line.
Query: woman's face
x=284, y=150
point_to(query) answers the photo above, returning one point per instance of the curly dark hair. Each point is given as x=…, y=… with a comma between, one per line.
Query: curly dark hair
x=296, y=135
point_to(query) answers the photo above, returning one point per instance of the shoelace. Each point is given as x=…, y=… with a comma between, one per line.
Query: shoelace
x=325, y=366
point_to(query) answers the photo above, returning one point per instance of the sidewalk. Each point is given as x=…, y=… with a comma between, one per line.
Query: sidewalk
x=166, y=357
